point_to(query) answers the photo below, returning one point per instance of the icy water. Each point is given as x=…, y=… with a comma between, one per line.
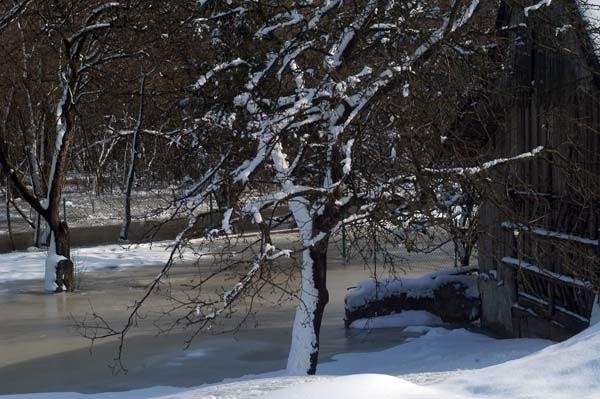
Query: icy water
x=41, y=351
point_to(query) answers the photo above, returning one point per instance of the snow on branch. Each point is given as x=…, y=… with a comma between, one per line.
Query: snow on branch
x=537, y=6
x=89, y=29
x=202, y=80
x=288, y=19
x=466, y=15
x=10, y=15
x=92, y=24
x=269, y=253
x=469, y=171
x=333, y=60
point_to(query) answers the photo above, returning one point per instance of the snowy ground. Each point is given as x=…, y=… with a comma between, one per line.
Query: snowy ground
x=29, y=265
x=441, y=363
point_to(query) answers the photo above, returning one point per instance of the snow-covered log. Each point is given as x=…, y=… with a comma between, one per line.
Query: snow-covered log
x=450, y=294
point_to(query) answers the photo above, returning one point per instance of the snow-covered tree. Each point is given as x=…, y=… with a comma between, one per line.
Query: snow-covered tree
x=301, y=93
x=333, y=114
x=77, y=35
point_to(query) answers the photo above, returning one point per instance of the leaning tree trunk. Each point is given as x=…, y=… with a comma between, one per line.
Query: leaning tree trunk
x=313, y=297
x=60, y=272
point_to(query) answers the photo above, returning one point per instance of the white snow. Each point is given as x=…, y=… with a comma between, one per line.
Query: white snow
x=470, y=171
x=441, y=364
x=535, y=269
x=29, y=265
x=590, y=11
x=537, y=6
x=566, y=370
x=369, y=290
x=549, y=233
x=358, y=387
x=304, y=340
x=403, y=319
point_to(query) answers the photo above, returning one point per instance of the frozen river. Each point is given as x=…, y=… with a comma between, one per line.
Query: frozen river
x=41, y=351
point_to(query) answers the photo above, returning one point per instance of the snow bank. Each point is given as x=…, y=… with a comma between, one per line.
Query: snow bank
x=404, y=319
x=147, y=393
x=29, y=265
x=371, y=290
x=439, y=351
x=440, y=354
x=570, y=369
x=359, y=387
x=441, y=364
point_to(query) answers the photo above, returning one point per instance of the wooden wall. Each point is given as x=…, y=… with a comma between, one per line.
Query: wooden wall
x=540, y=224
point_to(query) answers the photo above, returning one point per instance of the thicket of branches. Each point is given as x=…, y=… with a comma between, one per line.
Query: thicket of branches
x=368, y=115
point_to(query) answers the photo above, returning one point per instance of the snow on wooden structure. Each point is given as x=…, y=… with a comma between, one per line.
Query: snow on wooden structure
x=539, y=247
x=450, y=294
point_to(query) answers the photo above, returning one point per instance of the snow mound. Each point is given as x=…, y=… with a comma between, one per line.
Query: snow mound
x=438, y=351
x=359, y=387
x=29, y=265
x=371, y=290
x=570, y=369
x=404, y=319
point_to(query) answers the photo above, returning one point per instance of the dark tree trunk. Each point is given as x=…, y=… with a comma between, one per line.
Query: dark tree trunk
x=65, y=270
x=124, y=233
x=8, y=219
x=319, y=258
x=318, y=253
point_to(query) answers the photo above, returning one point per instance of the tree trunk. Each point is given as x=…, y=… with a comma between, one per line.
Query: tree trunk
x=60, y=272
x=463, y=251
x=8, y=219
x=304, y=351
x=124, y=233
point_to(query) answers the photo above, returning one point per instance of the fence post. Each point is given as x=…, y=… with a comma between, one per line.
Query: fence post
x=64, y=210
x=344, y=253
x=211, y=217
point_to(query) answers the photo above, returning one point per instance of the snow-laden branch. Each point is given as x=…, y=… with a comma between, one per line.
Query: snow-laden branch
x=536, y=6
x=334, y=59
x=287, y=19
x=203, y=80
x=269, y=253
x=469, y=171
x=10, y=15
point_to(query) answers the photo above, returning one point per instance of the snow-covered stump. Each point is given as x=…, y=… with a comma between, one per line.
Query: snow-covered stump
x=313, y=297
x=450, y=294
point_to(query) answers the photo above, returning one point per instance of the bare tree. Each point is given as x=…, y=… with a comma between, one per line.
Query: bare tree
x=314, y=112
x=79, y=35
x=11, y=12
x=131, y=173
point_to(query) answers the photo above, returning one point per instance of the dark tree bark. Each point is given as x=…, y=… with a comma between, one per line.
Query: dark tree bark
x=65, y=270
x=124, y=233
x=8, y=219
x=319, y=259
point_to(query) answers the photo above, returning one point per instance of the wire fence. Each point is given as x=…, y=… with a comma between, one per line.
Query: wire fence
x=391, y=259
x=81, y=209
